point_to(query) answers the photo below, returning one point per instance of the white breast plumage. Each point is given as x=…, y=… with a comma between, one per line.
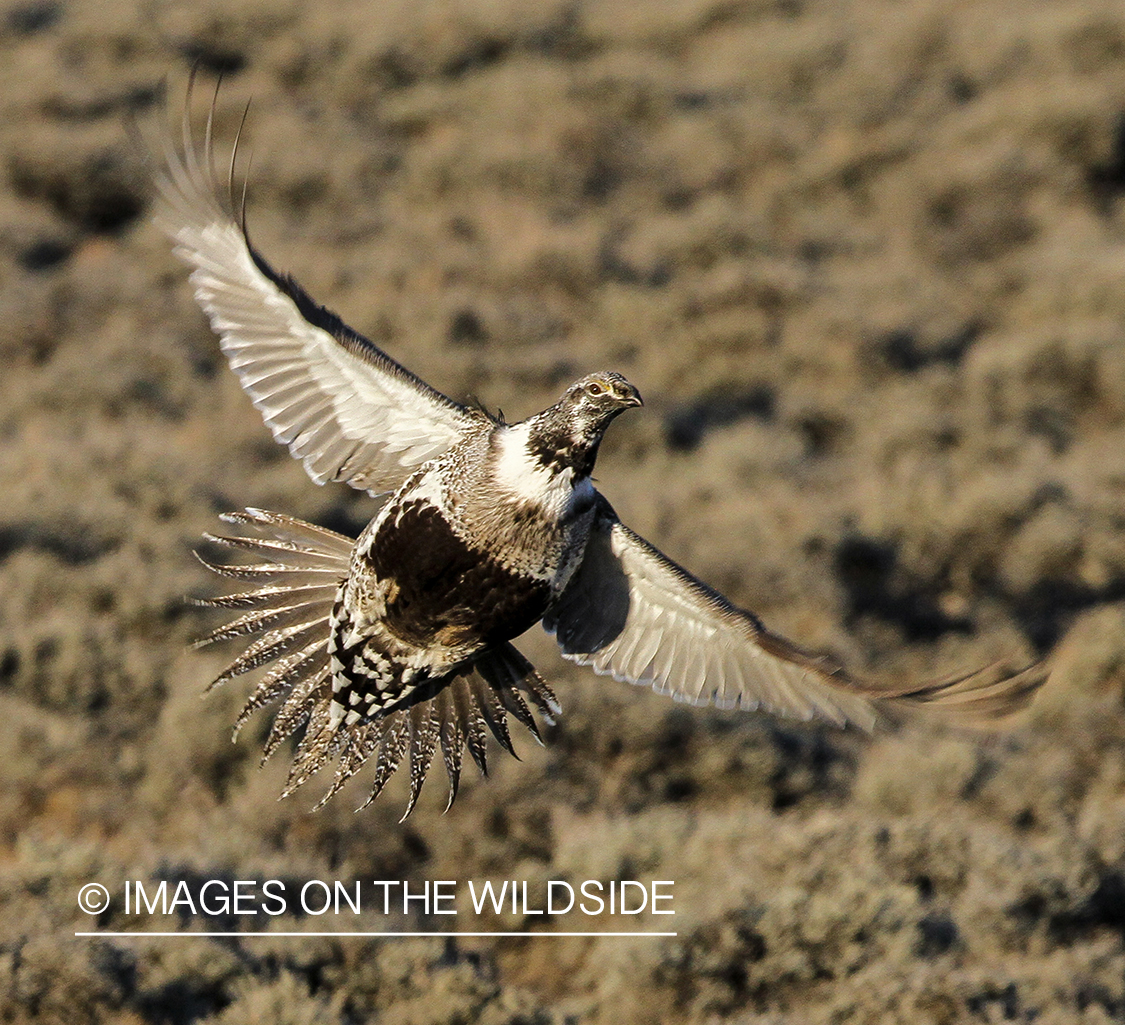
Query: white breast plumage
x=519, y=474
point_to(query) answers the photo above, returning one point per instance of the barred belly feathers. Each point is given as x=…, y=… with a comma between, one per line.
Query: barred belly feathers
x=395, y=645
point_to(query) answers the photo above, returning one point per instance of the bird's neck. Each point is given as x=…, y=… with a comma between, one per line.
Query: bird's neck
x=539, y=464
x=559, y=444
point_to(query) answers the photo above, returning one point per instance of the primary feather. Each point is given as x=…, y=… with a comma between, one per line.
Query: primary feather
x=343, y=407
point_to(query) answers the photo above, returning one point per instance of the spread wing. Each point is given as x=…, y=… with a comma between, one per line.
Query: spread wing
x=632, y=613
x=345, y=409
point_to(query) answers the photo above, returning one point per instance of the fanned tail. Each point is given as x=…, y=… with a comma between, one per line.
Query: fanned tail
x=286, y=614
x=454, y=713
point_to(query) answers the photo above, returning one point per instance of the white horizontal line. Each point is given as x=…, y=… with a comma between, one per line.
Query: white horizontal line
x=393, y=935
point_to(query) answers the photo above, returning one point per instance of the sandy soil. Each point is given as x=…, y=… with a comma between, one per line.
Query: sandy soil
x=865, y=262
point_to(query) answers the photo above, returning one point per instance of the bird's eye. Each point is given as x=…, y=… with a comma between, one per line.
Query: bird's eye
x=593, y=388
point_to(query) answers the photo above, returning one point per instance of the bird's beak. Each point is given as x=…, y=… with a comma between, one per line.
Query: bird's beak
x=631, y=397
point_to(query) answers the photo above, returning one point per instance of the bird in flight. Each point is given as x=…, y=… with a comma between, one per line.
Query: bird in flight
x=396, y=644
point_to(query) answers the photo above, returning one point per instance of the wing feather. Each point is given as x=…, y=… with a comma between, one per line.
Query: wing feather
x=345, y=408
x=632, y=613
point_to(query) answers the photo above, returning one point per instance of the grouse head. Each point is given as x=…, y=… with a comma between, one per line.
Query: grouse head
x=598, y=398
x=568, y=434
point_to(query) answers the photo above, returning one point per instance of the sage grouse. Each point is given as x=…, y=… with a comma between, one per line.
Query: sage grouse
x=398, y=643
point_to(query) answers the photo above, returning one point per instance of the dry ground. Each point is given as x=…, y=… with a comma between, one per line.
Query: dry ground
x=864, y=259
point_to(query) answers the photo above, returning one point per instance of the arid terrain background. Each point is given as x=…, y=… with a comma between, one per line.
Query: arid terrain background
x=865, y=259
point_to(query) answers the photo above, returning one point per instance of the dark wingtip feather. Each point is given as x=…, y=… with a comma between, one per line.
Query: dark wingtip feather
x=984, y=698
